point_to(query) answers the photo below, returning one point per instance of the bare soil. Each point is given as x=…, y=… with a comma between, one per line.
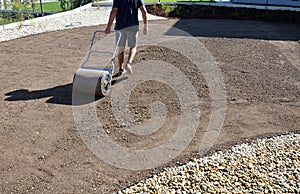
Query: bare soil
x=41, y=151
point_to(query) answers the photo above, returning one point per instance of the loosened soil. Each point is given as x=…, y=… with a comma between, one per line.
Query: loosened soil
x=41, y=150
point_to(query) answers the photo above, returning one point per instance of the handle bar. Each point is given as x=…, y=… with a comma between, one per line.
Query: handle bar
x=118, y=41
x=114, y=53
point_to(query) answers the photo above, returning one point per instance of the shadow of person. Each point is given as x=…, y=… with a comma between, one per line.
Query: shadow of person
x=57, y=95
x=116, y=81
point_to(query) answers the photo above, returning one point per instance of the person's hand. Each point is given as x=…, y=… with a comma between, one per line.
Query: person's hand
x=107, y=30
x=145, y=31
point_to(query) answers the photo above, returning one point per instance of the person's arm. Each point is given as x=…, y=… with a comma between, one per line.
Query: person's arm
x=145, y=18
x=112, y=16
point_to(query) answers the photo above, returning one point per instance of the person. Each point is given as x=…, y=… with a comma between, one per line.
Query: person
x=126, y=14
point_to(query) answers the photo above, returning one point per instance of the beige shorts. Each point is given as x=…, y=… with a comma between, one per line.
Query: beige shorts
x=130, y=36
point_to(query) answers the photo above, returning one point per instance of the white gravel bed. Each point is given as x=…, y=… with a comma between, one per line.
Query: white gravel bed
x=270, y=165
x=84, y=16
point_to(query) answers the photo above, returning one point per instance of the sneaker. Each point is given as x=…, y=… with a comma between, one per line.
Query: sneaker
x=128, y=68
x=121, y=72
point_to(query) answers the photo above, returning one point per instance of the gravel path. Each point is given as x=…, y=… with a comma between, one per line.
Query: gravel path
x=270, y=165
x=80, y=17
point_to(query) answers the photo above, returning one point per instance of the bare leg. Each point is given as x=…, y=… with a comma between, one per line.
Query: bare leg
x=132, y=53
x=121, y=57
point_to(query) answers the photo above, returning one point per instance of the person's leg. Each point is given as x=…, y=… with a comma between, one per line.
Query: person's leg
x=121, y=57
x=132, y=52
x=132, y=43
x=121, y=48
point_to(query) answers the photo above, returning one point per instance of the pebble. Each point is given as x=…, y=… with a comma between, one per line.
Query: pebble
x=269, y=165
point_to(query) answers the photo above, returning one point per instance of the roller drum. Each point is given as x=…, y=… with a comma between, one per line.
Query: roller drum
x=92, y=81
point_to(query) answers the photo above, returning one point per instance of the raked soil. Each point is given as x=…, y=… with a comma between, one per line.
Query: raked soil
x=41, y=149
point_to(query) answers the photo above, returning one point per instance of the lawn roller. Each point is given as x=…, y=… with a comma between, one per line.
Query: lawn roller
x=95, y=80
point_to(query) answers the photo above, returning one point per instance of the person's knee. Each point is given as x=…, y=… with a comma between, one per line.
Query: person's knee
x=133, y=48
x=121, y=49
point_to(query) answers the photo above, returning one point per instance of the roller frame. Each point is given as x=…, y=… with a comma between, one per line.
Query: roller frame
x=105, y=74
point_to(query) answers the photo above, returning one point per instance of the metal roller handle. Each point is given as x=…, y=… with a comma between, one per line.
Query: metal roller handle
x=114, y=53
x=117, y=44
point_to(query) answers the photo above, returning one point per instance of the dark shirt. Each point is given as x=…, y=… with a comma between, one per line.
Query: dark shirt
x=127, y=15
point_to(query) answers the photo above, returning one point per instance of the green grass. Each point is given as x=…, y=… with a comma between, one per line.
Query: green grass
x=6, y=18
x=49, y=7
x=4, y=21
